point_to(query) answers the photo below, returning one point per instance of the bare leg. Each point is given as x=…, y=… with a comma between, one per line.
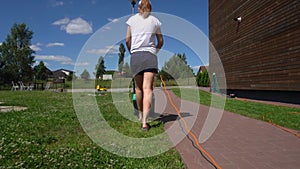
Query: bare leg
x=147, y=95
x=139, y=94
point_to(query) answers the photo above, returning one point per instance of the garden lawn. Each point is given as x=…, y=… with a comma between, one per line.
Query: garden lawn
x=280, y=115
x=48, y=135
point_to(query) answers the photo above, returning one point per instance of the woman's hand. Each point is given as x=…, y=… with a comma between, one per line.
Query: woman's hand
x=160, y=40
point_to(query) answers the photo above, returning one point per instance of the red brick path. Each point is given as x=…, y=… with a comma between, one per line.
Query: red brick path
x=237, y=143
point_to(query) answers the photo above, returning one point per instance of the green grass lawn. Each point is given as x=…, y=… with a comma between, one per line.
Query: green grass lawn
x=280, y=115
x=49, y=135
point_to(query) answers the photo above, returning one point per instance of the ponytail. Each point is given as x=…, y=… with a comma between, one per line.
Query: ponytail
x=145, y=8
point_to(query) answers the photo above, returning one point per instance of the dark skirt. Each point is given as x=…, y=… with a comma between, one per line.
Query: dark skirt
x=143, y=62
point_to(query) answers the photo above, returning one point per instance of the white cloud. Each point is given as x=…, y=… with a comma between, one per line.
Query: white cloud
x=38, y=62
x=106, y=28
x=0, y=43
x=113, y=20
x=79, y=26
x=61, y=21
x=74, y=26
x=53, y=58
x=35, y=48
x=55, y=44
x=56, y=3
x=107, y=50
x=82, y=64
x=62, y=59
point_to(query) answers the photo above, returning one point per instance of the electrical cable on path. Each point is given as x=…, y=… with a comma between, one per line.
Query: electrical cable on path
x=190, y=133
x=285, y=129
x=280, y=127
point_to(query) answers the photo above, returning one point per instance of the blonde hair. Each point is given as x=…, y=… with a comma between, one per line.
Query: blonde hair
x=145, y=8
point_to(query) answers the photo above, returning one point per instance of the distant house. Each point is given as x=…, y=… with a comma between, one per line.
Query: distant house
x=107, y=77
x=109, y=74
x=202, y=69
x=61, y=74
x=49, y=73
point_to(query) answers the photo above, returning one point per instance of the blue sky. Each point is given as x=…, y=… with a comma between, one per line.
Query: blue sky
x=62, y=28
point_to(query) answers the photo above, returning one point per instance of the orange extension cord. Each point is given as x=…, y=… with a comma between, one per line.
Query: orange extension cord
x=282, y=128
x=188, y=130
x=285, y=129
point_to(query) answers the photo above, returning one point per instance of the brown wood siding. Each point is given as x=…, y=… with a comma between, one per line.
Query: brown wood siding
x=263, y=51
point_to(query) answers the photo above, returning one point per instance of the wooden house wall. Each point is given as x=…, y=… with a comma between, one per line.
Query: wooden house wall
x=262, y=52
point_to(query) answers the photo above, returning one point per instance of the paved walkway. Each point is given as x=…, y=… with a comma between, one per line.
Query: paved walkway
x=238, y=141
x=10, y=108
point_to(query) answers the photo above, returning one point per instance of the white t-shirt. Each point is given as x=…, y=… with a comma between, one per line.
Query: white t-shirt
x=143, y=32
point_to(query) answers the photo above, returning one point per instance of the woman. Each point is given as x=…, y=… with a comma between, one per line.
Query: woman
x=142, y=30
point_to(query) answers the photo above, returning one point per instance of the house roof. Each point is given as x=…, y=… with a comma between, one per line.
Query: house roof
x=60, y=73
x=202, y=68
x=65, y=70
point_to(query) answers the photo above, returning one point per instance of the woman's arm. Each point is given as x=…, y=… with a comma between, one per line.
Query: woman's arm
x=128, y=38
x=160, y=40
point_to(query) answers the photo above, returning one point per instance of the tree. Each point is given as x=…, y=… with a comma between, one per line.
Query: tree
x=40, y=71
x=122, y=51
x=16, y=59
x=182, y=57
x=177, y=67
x=198, y=78
x=2, y=64
x=126, y=69
x=85, y=75
x=100, y=68
x=203, y=79
x=70, y=77
x=165, y=76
